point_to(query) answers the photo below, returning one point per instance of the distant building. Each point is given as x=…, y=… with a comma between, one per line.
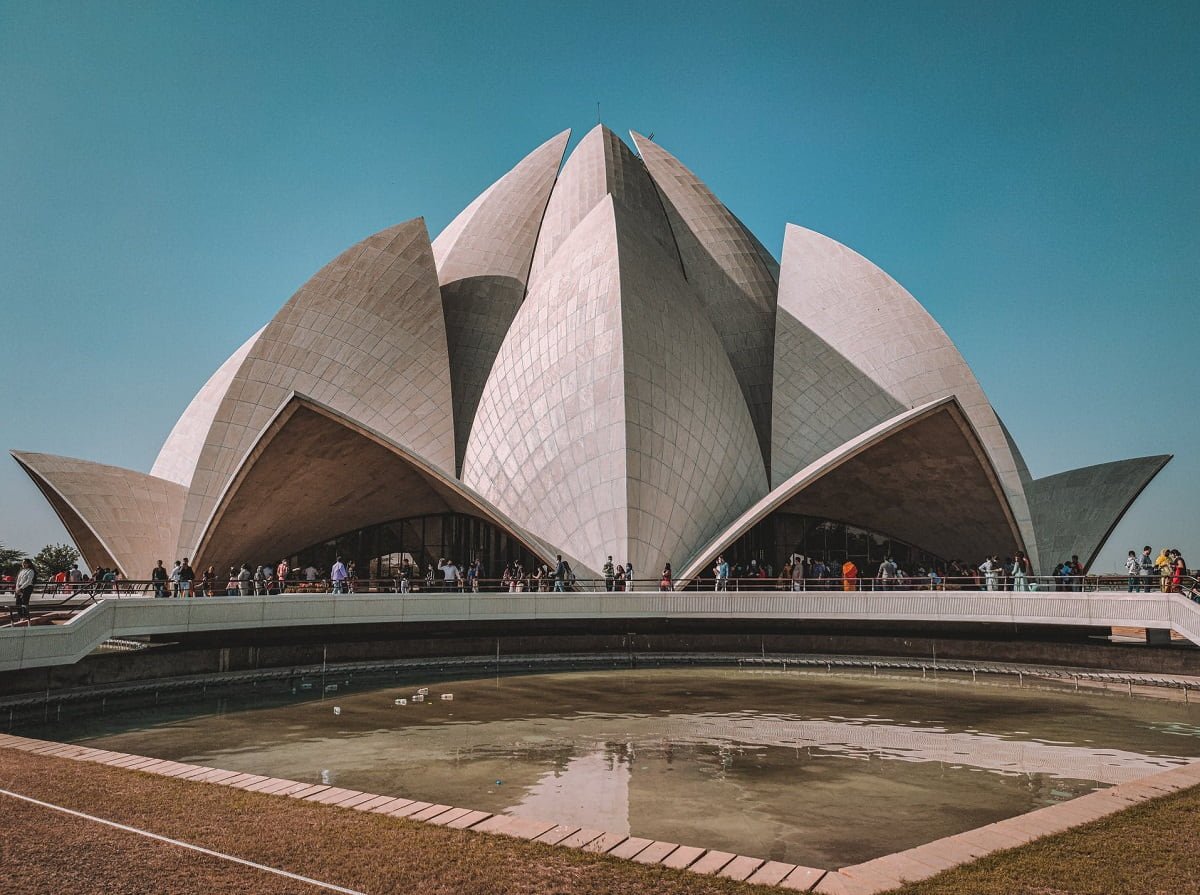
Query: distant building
x=598, y=360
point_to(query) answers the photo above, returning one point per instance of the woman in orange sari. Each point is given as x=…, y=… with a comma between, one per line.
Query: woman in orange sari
x=849, y=575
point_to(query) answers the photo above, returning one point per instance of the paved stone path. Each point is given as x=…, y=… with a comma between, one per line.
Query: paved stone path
x=867, y=878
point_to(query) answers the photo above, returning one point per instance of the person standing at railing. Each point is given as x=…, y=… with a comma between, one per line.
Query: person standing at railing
x=1163, y=565
x=721, y=574
x=282, y=571
x=338, y=576
x=849, y=575
x=1146, y=568
x=1178, y=570
x=990, y=569
x=799, y=572
x=245, y=580
x=174, y=578
x=888, y=573
x=628, y=577
x=26, y=579
x=609, y=571
x=186, y=576
x=1133, y=566
x=1021, y=570
x=208, y=582
x=666, y=581
x=560, y=574
x=158, y=575
x=1076, y=573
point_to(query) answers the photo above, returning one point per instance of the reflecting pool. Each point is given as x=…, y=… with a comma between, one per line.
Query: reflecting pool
x=813, y=768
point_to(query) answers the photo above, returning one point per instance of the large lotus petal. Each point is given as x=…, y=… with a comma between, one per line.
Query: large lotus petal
x=601, y=165
x=612, y=422
x=483, y=260
x=177, y=459
x=873, y=322
x=119, y=518
x=922, y=477
x=729, y=269
x=327, y=475
x=366, y=336
x=1074, y=512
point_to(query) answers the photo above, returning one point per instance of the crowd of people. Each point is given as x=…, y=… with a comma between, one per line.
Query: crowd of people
x=1146, y=572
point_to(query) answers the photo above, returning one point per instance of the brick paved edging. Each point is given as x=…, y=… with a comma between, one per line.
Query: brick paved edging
x=867, y=878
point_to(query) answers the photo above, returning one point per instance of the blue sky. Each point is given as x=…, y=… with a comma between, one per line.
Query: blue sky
x=171, y=172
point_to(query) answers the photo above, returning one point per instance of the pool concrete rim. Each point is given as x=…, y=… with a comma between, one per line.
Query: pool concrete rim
x=867, y=878
x=864, y=878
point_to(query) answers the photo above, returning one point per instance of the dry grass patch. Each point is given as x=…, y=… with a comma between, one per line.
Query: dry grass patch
x=54, y=853
x=1148, y=849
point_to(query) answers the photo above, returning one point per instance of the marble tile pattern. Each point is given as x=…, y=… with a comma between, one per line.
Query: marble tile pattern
x=820, y=400
x=921, y=476
x=176, y=461
x=1075, y=511
x=366, y=336
x=874, y=323
x=601, y=359
x=483, y=259
x=334, y=476
x=612, y=422
x=601, y=165
x=117, y=517
x=731, y=272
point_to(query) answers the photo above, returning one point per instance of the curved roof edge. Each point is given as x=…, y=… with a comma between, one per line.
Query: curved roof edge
x=117, y=517
x=437, y=478
x=177, y=458
x=1075, y=512
x=877, y=325
x=732, y=273
x=366, y=334
x=832, y=461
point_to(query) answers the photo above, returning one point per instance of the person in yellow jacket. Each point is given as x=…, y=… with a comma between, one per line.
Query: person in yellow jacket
x=1162, y=565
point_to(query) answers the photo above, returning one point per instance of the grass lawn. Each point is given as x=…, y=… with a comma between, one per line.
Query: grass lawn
x=1148, y=849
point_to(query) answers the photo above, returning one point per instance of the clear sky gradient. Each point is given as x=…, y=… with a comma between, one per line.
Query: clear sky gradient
x=171, y=172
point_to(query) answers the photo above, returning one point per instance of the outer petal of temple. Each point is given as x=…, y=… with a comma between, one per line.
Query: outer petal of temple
x=729, y=269
x=366, y=336
x=117, y=517
x=612, y=422
x=314, y=474
x=483, y=260
x=1074, y=512
x=873, y=322
x=922, y=476
x=601, y=165
x=177, y=459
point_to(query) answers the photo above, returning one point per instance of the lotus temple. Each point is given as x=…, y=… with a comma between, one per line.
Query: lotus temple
x=595, y=358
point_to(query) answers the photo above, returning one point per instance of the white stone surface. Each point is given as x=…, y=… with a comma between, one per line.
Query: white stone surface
x=1074, y=512
x=176, y=461
x=734, y=276
x=118, y=517
x=132, y=617
x=483, y=259
x=873, y=322
x=366, y=336
x=921, y=476
x=612, y=423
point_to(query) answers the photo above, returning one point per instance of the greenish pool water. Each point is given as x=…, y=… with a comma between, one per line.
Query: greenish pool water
x=813, y=768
